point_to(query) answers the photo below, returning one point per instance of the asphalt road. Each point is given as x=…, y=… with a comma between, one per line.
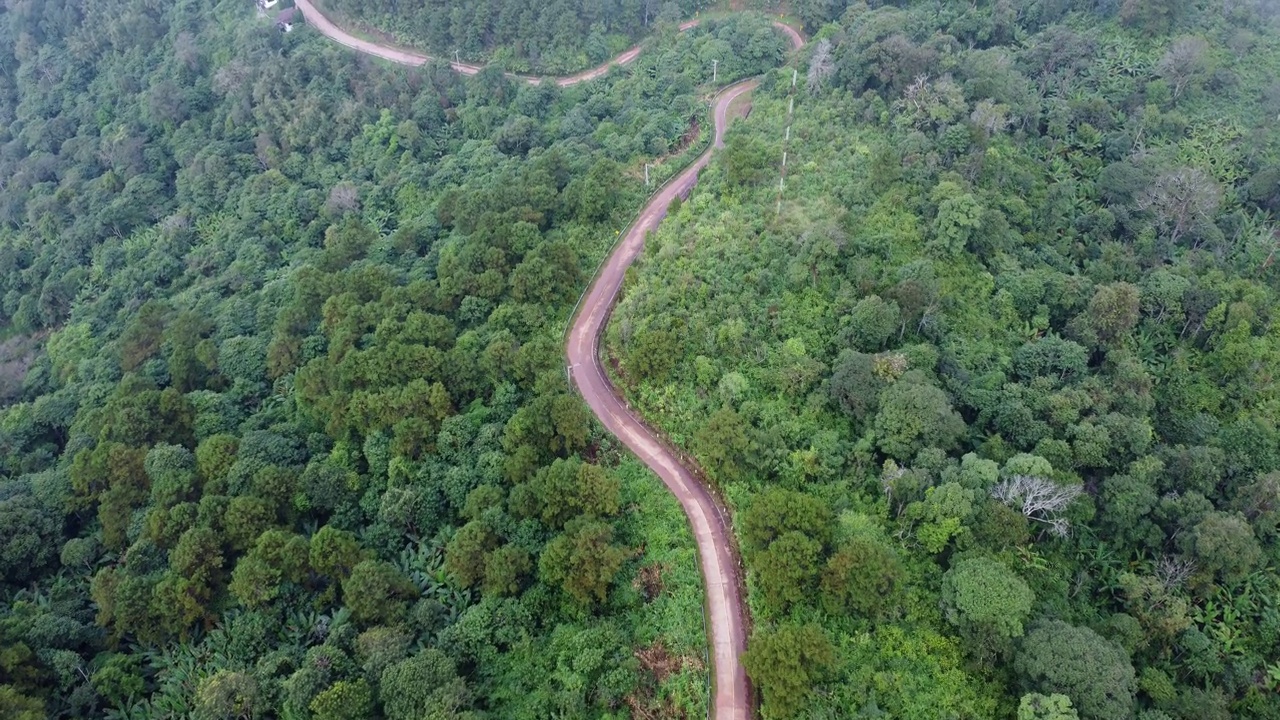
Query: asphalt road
x=721, y=569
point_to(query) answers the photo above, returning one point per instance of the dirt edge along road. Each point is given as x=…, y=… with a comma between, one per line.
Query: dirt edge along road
x=726, y=611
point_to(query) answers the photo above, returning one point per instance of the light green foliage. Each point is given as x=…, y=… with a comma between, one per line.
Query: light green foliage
x=1035, y=706
x=15, y=705
x=228, y=694
x=943, y=515
x=959, y=217
x=1039, y=317
x=982, y=593
x=345, y=699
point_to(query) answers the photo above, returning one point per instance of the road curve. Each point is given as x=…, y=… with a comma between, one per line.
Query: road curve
x=726, y=611
x=720, y=570
x=401, y=56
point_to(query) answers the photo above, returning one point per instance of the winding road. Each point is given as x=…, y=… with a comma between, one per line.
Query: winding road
x=401, y=56
x=721, y=569
x=726, y=621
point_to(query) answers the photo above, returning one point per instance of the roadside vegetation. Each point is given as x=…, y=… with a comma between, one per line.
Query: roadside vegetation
x=993, y=391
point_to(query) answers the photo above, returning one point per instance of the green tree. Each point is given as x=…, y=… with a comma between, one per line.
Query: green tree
x=344, y=700
x=1224, y=543
x=425, y=685
x=16, y=706
x=333, y=552
x=913, y=416
x=1060, y=658
x=377, y=592
x=776, y=511
x=505, y=570
x=787, y=663
x=1035, y=706
x=464, y=556
x=861, y=577
x=1113, y=312
x=854, y=385
x=30, y=535
x=981, y=593
x=746, y=160
x=870, y=324
x=722, y=445
x=582, y=560
x=788, y=569
x=226, y=694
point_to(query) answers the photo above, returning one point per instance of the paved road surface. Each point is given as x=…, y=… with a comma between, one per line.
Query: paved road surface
x=726, y=613
x=720, y=569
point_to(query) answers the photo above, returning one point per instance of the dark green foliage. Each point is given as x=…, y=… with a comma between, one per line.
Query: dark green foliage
x=299, y=310
x=1060, y=658
x=861, y=577
x=582, y=561
x=425, y=683
x=914, y=416
x=787, y=664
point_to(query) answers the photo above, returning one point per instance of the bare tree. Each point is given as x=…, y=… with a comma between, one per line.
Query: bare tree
x=186, y=50
x=821, y=65
x=1180, y=199
x=1173, y=571
x=992, y=118
x=1038, y=499
x=1183, y=63
x=932, y=102
x=916, y=96
x=231, y=76
x=343, y=198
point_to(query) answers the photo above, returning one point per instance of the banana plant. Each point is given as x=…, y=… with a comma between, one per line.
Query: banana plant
x=1273, y=676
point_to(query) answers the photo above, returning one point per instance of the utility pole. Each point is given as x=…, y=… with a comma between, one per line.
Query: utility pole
x=794, y=74
x=646, y=174
x=457, y=57
x=715, y=67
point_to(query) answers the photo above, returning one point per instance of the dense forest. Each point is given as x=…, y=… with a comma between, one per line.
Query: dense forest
x=990, y=379
x=286, y=430
x=549, y=36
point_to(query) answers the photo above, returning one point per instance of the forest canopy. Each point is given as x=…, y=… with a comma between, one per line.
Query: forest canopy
x=990, y=378
x=286, y=431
